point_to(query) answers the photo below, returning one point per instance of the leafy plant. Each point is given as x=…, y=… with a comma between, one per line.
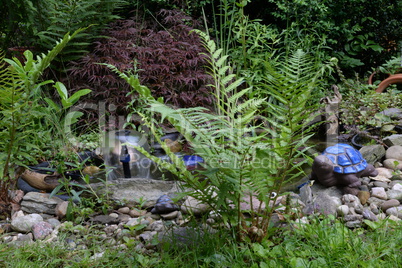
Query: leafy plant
x=239, y=164
x=22, y=117
x=162, y=50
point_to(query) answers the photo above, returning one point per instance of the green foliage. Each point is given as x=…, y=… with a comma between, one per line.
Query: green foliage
x=68, y=16
x=238, y=162
x=360, y=33
x=363, y=110
x=25, y=124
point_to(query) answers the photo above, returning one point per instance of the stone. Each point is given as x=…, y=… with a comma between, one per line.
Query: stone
x=41, y=230
x=393, y=140
x=394, y=194
x=124, y=210
x=135, y=213
x=54, y=222
x=351, y=201
x=342, y=210
x=114, y=215
x=170, y=216
x=384, y=175
x=373, y=207
x=381, y=184
x=372, y=153
x=397, y=187
x=375, y=200
x=394, y=152
x=194, y=206
x=369, y=215
x=389, y=204
x=393, y=113
x=253, y=205
x=393, y=164
x=39, y=203
x=133, y=222
x=164, y=205
x=104, y=219
x=353, y=224
x=396, y=211
x=363, y=197
x=24, y=224
x=123, y=218
x=130, y=190
x=379, y=192
x=61, y=209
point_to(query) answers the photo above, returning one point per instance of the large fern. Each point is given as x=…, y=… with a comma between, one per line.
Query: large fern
x=23, y=126
x=238, y=162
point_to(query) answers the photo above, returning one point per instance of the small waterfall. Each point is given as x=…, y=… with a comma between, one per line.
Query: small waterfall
x=123, y=160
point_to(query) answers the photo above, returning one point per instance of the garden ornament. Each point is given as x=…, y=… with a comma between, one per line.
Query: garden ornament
x=342, y=165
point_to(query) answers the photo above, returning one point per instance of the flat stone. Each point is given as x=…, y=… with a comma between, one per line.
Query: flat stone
x=353, y=224
x=135, y=213
x=379, y=192
x=104, y=219
x=130, y=191
x=372, y=153
x=39, y=203
x=124, y=210
x=389, y=204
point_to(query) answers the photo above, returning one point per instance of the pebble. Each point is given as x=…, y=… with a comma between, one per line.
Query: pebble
x=394, y=194
x=379, y=192
x=389, y=204
x=363, y=196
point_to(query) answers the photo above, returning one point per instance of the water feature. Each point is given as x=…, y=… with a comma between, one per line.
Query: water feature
x=123, y=160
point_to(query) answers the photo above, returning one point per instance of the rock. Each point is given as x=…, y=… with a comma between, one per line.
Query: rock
x=372, y=153
x=164, y=205
x=41, y=230
x=194, y=206
x=124, y=210
x=135, y=213
x=381, y=184
x=61, y=209
x=363, y=197
x=397, y=187
x=342, y=210
x=353, y=224
x=114, y=215
x=379, y=192
x=129, y=191
x=253, y=205
x=54, y=222
x=24, y=224
x=393, y=140
x=373, y=207
x=133, y=222
x=123, y=218
x=39, y=203
x=369, y=215
x=389, y=204
x=351, y=201
x=156, y=226
x=384, y=174
x=170, y=216
x=394, y=194
x=393, y=113
x=375, y=200
x=394, y=152
x=104, y=219
x=393, y=164
x=396, y=211
x=182, y=237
